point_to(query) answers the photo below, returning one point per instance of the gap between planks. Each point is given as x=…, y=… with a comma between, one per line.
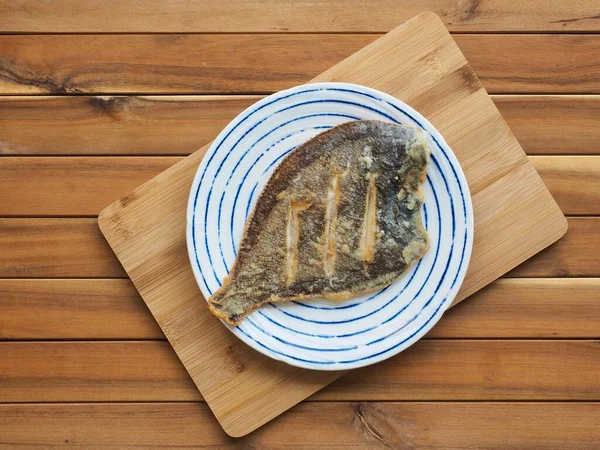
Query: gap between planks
x=58, y=341
x=308, y=400
x=159, y=94
x=291, y=33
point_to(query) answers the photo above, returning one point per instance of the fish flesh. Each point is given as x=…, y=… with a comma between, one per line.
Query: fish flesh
x=339, y=217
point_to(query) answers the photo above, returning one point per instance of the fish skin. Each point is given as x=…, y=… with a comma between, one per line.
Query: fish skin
x=317, y=232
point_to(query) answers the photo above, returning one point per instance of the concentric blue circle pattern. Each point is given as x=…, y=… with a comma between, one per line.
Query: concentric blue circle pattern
x=323, y=334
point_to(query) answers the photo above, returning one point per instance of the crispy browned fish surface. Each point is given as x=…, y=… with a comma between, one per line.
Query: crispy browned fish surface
x=339, y=217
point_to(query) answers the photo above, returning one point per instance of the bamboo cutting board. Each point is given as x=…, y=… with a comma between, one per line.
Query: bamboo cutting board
x=419, y=63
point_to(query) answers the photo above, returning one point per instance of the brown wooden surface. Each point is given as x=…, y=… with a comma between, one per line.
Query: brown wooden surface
x=576, y=255
x=111, y=309
x=82, y=186
x=47, y=247
x=323, y=425
x=150, y=371
x=539, y=122
x=180, y=124
x=75, y=309
x=514, y=213
x=65, y=16
x=198, y=64
x=573, y=180
x=551, y=310
x=74, y=247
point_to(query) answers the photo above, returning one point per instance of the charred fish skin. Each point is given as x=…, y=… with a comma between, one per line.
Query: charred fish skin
x=339, y=217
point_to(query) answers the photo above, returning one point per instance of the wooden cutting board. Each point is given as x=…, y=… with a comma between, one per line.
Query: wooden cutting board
x=420, y=64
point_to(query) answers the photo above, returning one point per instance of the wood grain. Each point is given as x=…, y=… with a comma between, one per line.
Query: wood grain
x=69, y=16
x=538, y=122
x=55, y=248
x=261, y=63
x=418, y=62
x=75, y=186
x=526, y=308
x=506, y=63
x=575, y=255
x=175, y=64
x=554, y=426
x=47, y=309
x=74, y=309
x=93, y=371
x=357, y=426
x=67, y=247
x=118, y=125
x=150, y=371
x=478, y=370
x=179, y=125
x=574, y=182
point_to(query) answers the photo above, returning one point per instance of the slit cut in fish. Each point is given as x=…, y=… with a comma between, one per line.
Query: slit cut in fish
x=292, y=236
x=320, y=231
x=333, y=197
x=366, y=250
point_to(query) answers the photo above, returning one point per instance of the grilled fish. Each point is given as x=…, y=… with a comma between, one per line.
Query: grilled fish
x=339, y=217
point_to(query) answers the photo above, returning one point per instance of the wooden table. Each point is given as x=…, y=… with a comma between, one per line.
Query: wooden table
x=98, y=97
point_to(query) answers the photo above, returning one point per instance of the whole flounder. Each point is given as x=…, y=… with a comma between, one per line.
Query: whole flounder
x=339, y=217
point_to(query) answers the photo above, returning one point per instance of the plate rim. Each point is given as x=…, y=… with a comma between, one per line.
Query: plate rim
x=467, y=251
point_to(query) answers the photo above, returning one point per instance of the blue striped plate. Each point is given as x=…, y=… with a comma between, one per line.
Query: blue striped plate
x=323, y=334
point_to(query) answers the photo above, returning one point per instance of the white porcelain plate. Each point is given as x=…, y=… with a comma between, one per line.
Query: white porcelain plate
x=324, y=334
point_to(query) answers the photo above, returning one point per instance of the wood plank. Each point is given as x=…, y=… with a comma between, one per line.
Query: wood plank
x=574, y=181
x=456, y=425
x=55, y=248
x=75, y=186
x=179, y=125
x=510, y=67
x=93, y=371
x=163, y=64
x=478, y=370
x=74, y=309
x=69, y=16
x=538, y=122
x=261, y=63
x=575, y=255
x=47, y=309
x=67, y=247
x=397, y=425
x=430, y=370
x=526, y=308
x=142, y=125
